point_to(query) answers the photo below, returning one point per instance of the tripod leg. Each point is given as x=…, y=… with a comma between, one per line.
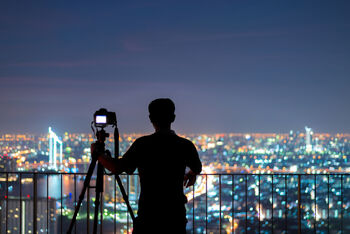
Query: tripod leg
x=81, y=196
x=117, y=178
x=99, y=190
x=125, y=197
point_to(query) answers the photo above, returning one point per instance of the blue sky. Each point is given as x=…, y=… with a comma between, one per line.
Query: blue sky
x=230, y=66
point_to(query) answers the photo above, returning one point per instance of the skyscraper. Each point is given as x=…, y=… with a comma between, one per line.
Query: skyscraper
x=53, y=141
x=308, y=135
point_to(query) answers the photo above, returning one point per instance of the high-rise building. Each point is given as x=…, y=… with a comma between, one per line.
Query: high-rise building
x=53, y=141
x=308, y=139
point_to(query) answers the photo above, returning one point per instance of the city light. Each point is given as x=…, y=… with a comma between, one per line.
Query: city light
x=227, y=160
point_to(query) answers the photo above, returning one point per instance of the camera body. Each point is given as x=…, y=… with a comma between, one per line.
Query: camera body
x=103, y=118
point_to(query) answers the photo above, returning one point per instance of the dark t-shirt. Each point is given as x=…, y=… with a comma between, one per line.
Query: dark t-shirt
x=161, y=159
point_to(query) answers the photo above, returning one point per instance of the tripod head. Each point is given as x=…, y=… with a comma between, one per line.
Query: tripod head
x=101, y=135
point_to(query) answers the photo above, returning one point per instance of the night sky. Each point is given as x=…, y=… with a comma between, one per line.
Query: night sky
x=229, y=66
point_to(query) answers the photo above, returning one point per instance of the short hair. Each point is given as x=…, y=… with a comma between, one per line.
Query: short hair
x=162, y=111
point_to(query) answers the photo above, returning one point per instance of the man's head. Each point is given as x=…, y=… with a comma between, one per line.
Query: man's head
x=161, y=112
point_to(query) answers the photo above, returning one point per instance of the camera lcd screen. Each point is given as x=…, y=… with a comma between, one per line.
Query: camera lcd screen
x=101, y=119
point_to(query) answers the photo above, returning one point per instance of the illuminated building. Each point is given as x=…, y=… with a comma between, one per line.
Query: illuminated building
x=53, y=141
x=308, y=135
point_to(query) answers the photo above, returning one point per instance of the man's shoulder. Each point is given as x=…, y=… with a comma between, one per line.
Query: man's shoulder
x=155, y=137
x=142, y=139
x=146, y=139
x=185, y=142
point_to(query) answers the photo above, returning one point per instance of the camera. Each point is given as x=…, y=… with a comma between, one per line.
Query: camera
x=102, y=118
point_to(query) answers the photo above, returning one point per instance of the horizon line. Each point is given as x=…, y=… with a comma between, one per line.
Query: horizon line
x=193, y=133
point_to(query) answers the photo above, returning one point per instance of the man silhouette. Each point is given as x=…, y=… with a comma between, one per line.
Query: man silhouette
x=161, y=159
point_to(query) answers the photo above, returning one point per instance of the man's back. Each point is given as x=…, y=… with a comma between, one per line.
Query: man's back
x=161, y=159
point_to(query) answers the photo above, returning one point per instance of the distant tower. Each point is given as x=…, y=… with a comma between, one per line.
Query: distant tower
x=308, y=139
x=53, y=141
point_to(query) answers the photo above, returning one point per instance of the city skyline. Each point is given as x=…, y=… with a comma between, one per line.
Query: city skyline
x=289, y=152
x=256, y=182
x=62, y=132
x=229, y=66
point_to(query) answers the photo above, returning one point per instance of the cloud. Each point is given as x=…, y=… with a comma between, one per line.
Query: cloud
x=134, y=46
x=65, y=82
x=63, y=64
x=195, y=37
x=145, y=42
x=104, y=60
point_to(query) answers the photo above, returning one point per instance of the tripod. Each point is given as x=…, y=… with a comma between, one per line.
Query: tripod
x=101, y=137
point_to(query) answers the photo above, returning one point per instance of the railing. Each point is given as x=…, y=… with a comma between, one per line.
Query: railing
x=219, y=203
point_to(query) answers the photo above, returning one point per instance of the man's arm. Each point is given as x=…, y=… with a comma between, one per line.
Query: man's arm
x=195, y=165
x=116, y=166
x=112, y=164
x=105, y=159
